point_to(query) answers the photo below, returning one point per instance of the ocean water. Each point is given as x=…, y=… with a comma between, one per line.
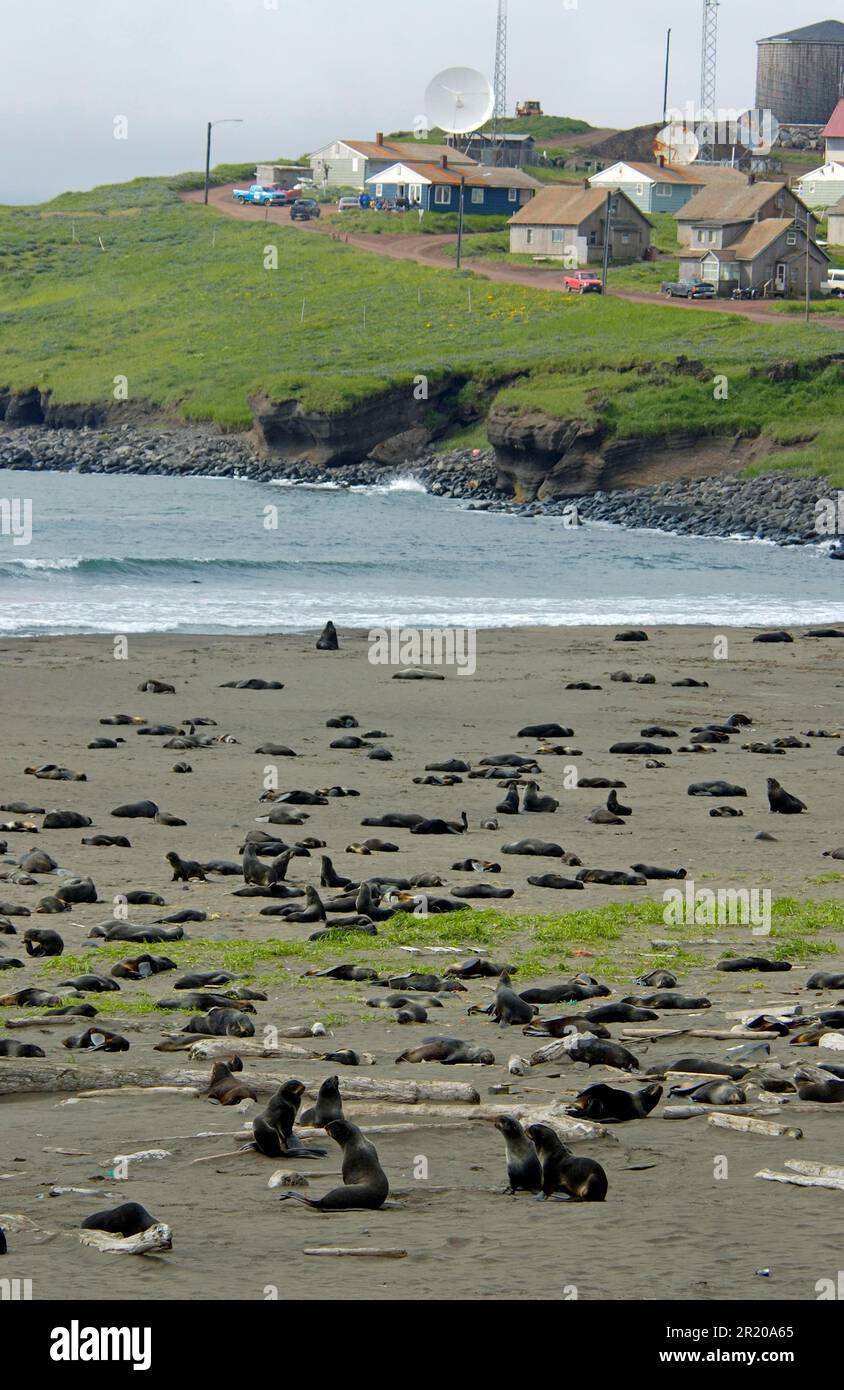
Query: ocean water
x=157, y=554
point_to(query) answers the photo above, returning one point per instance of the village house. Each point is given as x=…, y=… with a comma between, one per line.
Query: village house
x=824, y=186
x=349, y=163
x=436, y=187
x=720, y=213
x=652, y=187
x=503, y=149
x=569, y=222
x=749, y=236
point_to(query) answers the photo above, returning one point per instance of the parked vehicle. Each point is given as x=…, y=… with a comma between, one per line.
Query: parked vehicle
x=348, y=204
x=258, y=195
x=834, y=283
x=583, y=282
x=748, y=294
x=687, y=289
x=304, y=209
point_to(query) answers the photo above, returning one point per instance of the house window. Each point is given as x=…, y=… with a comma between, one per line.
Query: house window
x=442, y=195
x=640, y=190
x=701, y=236
x=593, y=238
x=379, y=190
x=477, y=195
x=663, y=190
x=529, y=237
x=355, y=165
x=625, y=238
x=512, y=195
x=556, y=233
x=791, y=239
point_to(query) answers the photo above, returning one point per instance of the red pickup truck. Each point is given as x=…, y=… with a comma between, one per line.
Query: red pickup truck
x=583, y=282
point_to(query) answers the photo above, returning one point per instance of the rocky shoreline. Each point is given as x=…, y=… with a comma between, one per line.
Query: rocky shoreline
x=775, y=507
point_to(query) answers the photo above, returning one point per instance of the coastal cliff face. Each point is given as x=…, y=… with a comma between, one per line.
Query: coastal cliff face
x=542, y=458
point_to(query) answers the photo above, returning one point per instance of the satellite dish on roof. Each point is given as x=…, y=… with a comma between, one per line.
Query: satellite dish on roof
x=677, y=144
x=459, y=100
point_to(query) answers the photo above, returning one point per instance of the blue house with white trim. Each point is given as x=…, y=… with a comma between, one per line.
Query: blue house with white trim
x=652, y=187
x=436, y=188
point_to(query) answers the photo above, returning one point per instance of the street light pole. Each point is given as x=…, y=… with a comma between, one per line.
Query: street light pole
x=226, y=120
x=460, y=218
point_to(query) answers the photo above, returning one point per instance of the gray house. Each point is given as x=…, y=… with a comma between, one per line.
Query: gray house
x=720, y=213
x=349, y=163
x=769, y=255
x=835, y=223
x=569, y=223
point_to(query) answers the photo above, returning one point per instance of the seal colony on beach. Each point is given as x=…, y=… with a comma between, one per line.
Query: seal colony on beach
x=256, y=947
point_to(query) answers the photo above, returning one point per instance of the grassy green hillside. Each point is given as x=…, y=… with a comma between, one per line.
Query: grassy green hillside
x=131, y=281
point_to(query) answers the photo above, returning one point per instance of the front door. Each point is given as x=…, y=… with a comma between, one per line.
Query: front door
x=780, y=273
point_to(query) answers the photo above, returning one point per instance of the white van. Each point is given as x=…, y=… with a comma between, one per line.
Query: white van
x=834, y=284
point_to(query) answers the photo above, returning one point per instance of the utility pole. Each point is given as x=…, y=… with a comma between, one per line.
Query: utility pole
x=226, y=120
x=665, y=88
x=612, y=203
x=460, y=219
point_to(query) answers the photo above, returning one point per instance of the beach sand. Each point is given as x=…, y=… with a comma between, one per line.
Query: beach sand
x=670, y=1228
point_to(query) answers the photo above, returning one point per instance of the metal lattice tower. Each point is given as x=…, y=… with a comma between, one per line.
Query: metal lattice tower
x=708, y=73
x=499, y=111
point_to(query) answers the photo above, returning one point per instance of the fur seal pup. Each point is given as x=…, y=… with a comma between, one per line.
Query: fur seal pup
x=724, y=812
x=752, y=963
x=779, y=635
x=184, y=869
x=509, y=1007
x=128, y=1219
x=449, y=1051
x=582, y=1179
x=620, y=1013
x=811, y=1087
x=273, y=1128
x=10, y=1047
x=554, y=881
x=328, y=1107
x=221, y=1023
x=476, y=866
x=666, y=1000
x=437, y=826
x=601, y=816
x=41, y=941
x=717, y=788
x=365, y=1185
x=201, y=979
x=643, y=746
x=141, y=967
x=581, y=987
x=107, y=841
x=721, y=1092
x=137, y=810
x=327, y=640
x=227, y=1089
x=781, y=802
x=653, y=871
x=595, y=1052
x=97, y=1040
x=614, y=805
x=423, y=984
x=50, y=772
x=524, y=1170
x=395, y=820
x=824, y=979
x=564, y=1024
x=482, y=890
x=89, y=984
x=657, y=979
x=252, y=683
x=541, y=849
x=601, y=1102
x=328, y=876
x=545, y=731
x=346, y=972
x=531, y=800
x=30, y=999
x=615, y=878
x=476, y=968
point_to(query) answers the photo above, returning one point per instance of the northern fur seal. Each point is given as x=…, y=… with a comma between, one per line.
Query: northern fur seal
x=226, y=1088
x=554, y=881
x=641, y=746
x=41, y=941
x=718, y=788
x=811, y=1087
x=10, y=1047
x=98, y=1040
x=141, y=967
x=221, y=1023
x=752, y=963
x=667, y=1000
x=524, y=1170
x=328, y=1107
x=327, y=640
x=184, y=869
x=606, y=1103
x=128, y=1219
x=582, y=1179
x=781, y=802
x=365, y=1184
x=137, y=810
x=653, y=871
x=615, y=878
x=273, y=1128
x=476, y=968
x=542, y=849
x=252, y=683
x=580, y=987
x=595, y=1052
x=620, y=1013
x=449, y=1051
x=563, y=1025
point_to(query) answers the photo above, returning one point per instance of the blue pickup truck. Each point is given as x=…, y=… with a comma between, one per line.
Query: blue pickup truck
x=259, y=195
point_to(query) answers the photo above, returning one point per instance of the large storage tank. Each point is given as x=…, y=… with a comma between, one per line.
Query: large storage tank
x=799, y=74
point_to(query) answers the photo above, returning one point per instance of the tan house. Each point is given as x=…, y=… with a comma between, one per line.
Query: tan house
x=769, y=256
x=720, y=213
x=569, y=223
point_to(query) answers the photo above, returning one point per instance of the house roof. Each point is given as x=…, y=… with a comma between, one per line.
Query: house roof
x=720, y=202
x=475, y=177
x=834, y=128
x=654, y=173
x=495, y=177
x=755, y=240
x=827, y=31
x=412, y=150
x=561, y=207
x=833, y=170
x=837, y=209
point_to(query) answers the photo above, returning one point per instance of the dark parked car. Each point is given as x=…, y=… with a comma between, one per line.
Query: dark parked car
x=688, y=289
x=304, y=209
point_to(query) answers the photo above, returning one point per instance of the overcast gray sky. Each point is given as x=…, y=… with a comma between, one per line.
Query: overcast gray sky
x=302, y=72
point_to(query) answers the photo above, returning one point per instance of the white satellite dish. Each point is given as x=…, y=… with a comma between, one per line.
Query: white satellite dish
x=758, y=130
x=677, y=144
x=459, y=100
